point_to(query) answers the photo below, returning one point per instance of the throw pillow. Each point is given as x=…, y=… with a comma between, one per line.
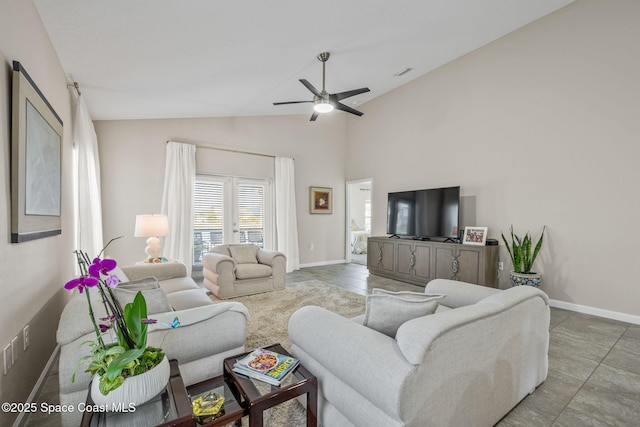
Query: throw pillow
x=140, y=285
x=156, y=299
x=407, y=294
x=386, y=311
x=119, y=274
x=243, y=254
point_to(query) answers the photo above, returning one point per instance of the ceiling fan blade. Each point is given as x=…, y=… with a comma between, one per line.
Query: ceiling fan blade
x=342, y=95
x=339, y=106
x=290, y=102
x=314, y=116
x=309, y=86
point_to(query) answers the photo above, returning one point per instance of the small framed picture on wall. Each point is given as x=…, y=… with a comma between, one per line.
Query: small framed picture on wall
x=475, y=236
x=320, y=200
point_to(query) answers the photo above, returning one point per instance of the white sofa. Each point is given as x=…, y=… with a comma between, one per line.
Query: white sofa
x=208, y=332
x=468, y=364
x=234, y=270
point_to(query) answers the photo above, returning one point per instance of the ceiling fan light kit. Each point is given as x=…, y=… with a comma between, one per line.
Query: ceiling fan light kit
x=322, y=106
x=324, y=101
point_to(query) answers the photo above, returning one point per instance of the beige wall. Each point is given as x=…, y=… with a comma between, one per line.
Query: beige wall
x=538, y=128
x=31, y=273
x=542, y=128
x=132, y=156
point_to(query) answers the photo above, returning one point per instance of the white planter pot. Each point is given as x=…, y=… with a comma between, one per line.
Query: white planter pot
x=135, y=390
x=520, y=279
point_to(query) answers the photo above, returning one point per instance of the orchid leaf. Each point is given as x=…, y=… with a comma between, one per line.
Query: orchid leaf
x=134, y=312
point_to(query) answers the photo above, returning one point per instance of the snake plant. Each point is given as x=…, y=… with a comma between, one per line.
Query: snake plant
x=520, y=251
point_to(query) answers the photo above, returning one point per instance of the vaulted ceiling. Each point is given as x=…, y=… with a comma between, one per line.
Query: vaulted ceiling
x=214, y=58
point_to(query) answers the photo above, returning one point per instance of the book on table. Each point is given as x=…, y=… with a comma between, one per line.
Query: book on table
x=266, y=365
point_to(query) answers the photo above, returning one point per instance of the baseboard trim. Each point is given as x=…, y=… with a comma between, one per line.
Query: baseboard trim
x=38, y=385
x=607, y=314
x=320, y=264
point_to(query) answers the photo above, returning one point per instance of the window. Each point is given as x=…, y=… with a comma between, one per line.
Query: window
x=230, y=210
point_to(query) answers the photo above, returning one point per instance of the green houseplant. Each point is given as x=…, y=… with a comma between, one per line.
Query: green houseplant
x=112, y=363
x=523, y=257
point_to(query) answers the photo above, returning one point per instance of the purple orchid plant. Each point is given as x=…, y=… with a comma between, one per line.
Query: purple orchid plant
x=130, y=355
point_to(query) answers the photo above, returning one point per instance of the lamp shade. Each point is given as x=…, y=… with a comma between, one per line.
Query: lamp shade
x=151, y=226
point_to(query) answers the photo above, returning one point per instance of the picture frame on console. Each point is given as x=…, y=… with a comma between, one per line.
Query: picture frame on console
x=36, y=168
x=475, y=236
x=320, y=200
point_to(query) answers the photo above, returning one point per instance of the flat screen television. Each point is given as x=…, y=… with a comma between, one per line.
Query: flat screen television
x=424, y=214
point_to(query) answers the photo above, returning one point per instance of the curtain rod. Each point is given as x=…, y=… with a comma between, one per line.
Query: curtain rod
x=75, y=86
x=231, y=150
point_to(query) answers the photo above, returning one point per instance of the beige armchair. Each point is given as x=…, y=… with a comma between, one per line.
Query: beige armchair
x=243, y=269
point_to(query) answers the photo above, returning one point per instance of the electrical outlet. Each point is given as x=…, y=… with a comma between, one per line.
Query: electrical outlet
x=501, y=266
x=25, y=336
x=311, y=246
x=14, y=350
x=6, y=355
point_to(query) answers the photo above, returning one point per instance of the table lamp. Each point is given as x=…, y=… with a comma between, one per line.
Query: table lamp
x=152, y=226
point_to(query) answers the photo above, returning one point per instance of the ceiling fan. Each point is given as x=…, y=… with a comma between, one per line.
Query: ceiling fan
x=324, y=101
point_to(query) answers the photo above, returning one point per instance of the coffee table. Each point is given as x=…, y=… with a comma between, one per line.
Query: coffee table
x=258, y=396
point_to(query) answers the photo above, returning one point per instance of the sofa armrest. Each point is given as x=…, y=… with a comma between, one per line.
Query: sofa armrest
x=74, y=319
x=368, y=361
x=458, y=294
x=203, y=331
x=268, y=257
x=194, y=315
x=161, y=271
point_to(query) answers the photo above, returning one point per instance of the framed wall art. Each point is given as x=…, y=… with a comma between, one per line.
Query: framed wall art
x=36, y=162
x=320, y=200
x=475, y=236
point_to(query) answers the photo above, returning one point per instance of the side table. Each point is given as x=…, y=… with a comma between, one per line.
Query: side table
x=169, y=408
x=258, y=396
x=172, y=407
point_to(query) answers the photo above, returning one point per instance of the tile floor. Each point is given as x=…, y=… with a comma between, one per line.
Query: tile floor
x=594, y=363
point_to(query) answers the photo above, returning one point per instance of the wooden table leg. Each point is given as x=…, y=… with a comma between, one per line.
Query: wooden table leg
x=255, y=416
x=312, y=405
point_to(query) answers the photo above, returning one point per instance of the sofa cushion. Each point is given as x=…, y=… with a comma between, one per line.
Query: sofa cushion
x=183, y=300
x=161, y=271
x=222, y=250
x=243, y=254
x=156, y=299
x=386, y=311
x=252, y=271
x=178, y=284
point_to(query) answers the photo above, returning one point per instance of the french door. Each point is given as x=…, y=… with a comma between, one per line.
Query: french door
x=231, y=210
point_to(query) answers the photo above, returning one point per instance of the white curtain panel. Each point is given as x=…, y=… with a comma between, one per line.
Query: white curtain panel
x=286, y=219
x=89, y=215
x=177, y=202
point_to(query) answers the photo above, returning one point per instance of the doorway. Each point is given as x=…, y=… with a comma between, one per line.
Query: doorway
x=358, y=223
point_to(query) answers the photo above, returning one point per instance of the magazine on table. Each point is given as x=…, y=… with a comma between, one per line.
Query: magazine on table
x=266, y=365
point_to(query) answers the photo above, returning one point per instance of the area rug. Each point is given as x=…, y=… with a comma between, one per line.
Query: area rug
x=269, y=312
x=269, y=315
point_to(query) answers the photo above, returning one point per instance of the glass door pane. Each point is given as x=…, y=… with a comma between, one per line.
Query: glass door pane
x=208, y=217
x=250, y=213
